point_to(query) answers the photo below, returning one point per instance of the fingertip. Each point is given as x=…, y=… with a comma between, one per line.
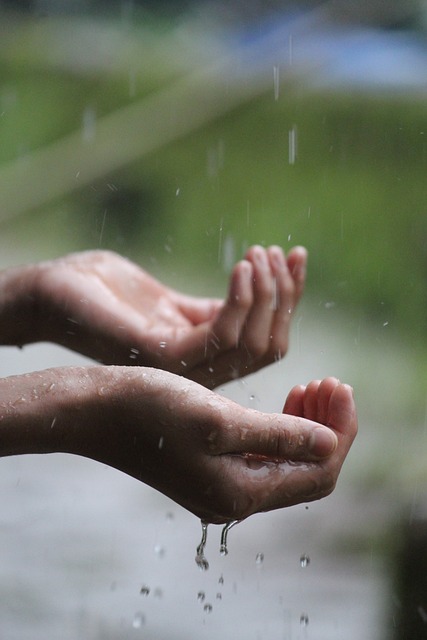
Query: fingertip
x=297, y=263
x=294, y=401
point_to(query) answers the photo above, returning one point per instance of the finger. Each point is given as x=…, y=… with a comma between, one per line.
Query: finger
x=310, y=400
x=257, y=331
x=197, y=310
x=295, y=401
x=324, y=392
x=285, y=300
x=278, y=437
x=342, y=415
x=228, y=325
x=297, y=265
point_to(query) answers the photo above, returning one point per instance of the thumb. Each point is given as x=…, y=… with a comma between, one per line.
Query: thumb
x=283, y=437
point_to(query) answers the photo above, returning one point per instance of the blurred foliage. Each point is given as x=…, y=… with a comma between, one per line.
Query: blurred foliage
x=354, y=192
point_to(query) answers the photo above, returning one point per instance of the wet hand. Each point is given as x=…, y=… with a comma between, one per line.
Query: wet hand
x=217, y=459
x=106, y=307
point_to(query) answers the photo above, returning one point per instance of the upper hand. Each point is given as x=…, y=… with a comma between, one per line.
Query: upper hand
x=106, y=307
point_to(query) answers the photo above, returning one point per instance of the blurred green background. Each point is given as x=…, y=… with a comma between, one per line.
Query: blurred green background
x=354, y=193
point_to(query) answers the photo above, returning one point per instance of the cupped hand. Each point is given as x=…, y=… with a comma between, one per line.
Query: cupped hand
x=107, y=308
x=219, y=460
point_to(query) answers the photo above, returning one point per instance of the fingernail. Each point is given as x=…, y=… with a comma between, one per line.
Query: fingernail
x=322, y=442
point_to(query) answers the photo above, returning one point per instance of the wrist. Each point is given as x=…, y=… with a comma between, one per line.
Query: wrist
x=18, y=306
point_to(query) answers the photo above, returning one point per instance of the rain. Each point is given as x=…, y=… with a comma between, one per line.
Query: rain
x=178, y=135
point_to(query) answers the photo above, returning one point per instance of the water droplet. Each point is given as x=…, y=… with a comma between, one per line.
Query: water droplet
x=201, y=596
x=144, y=590
x=259, y=559
x=161, y=441
x=221, y=579
x=159, y=550
x=207, y=608
x=303, y=620
x=224, y=534
x=138, y=620
x=162, y=344
x=304, y=560
x=201, y=561
x=219, y=596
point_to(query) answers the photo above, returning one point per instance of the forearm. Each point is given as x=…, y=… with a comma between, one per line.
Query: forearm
x=49, y=411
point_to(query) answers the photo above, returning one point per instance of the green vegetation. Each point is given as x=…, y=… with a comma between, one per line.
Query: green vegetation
x=355, y=194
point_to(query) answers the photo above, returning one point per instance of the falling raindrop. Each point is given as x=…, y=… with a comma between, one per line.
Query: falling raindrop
x=201, y=596
x=201, y=561
x=144, y=590
x=293, y=145
x=259, y=559
x=221, y=579
x=207, y=608
x=276, y=81
x=304, y=560
x=224, y=534
x=138, y=620
x=304, y=620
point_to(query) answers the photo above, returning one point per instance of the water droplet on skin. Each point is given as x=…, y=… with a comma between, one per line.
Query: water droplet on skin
x=303, y=620
x=207, y=608
x=144, y=590
x=304, y=560
x=138, y=620
x=259, y=559
x=201, y=596
x=201, y=561
x=224, y=534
